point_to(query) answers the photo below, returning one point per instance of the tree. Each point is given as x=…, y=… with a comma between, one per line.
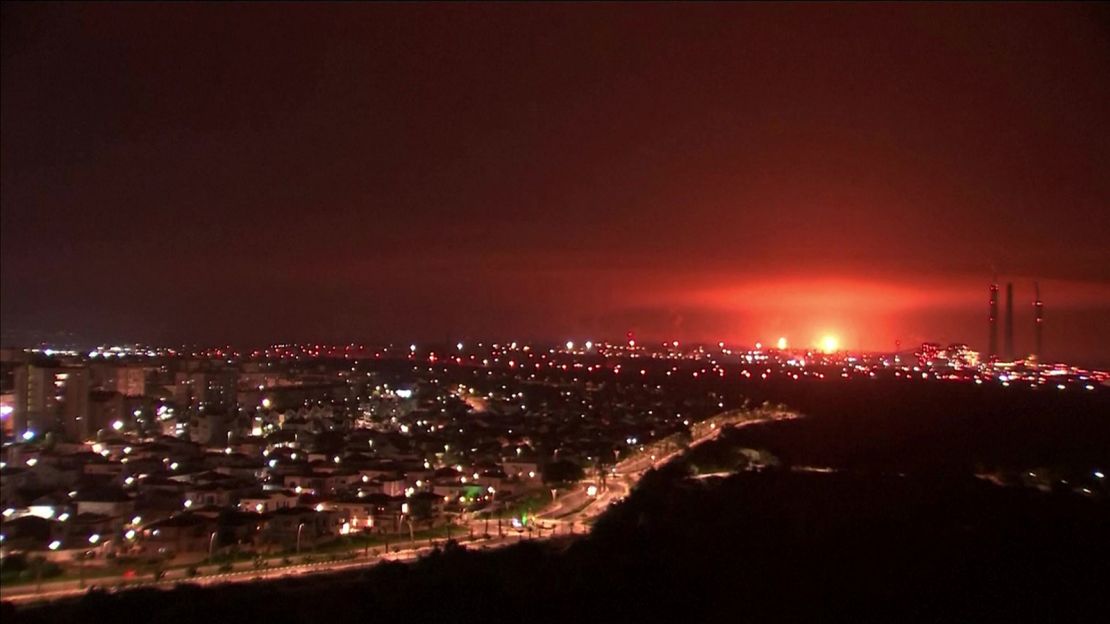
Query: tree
x=562, y=471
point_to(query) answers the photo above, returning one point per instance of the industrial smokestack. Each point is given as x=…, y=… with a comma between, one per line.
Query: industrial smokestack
x=1008, y=330
x=1038, y=320
x=992, y=317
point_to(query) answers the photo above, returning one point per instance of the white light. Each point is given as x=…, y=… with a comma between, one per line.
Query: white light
x=570, y=345
x=188, y=503
x=136, y=520
x=117, y=425
x=94, y=538
x=27, y=435
x=591, y=491
x=130, y=534
x=412, y=348
x=55, y=545
x=266, y=403
x=1099, y=474
x=459, y=346
x=6, y=410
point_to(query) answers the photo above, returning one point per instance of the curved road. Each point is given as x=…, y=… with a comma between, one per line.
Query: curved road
x=571, y=513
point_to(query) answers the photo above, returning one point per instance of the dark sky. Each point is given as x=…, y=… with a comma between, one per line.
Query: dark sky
x=289, y=172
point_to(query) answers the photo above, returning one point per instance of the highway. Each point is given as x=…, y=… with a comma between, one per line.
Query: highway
x=572, y=513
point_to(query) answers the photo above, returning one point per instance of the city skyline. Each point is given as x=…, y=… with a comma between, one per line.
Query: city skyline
x=175, y=174
x=557, y=312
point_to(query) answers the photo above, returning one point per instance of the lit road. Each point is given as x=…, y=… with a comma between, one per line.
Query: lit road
x=242, y=572
x=572, y=513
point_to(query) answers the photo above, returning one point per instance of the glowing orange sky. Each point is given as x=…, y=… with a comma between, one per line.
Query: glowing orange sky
x=871, y=314
x=184, y=172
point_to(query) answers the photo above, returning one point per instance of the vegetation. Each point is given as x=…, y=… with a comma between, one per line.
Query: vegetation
x=900, y=531
x=561, y=471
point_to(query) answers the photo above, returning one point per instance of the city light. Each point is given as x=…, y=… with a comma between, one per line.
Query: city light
x=760, y=311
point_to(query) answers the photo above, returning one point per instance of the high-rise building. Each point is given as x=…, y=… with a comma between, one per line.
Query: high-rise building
x=128, y=380
x=1008, y=331
x=105, y=408
x=1038, y=321
x=208, y=389
x=992, y=318
x=51, y=398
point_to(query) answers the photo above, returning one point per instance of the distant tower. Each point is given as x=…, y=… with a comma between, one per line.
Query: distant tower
x=1038, y=320
x=993, y=319
x=1008, y=330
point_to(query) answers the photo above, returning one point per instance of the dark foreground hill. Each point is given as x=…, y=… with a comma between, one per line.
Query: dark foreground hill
x=756, y=547
x=901, y=531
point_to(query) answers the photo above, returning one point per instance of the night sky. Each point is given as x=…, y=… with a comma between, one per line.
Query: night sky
x=255, y=174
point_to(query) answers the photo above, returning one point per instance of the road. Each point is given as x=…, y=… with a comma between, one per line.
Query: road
x=70, y=588
x=570, y=514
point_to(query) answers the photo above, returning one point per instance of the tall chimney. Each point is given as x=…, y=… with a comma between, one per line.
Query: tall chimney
x=1008, y=329
x=992, y=318
x=1038, y=321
